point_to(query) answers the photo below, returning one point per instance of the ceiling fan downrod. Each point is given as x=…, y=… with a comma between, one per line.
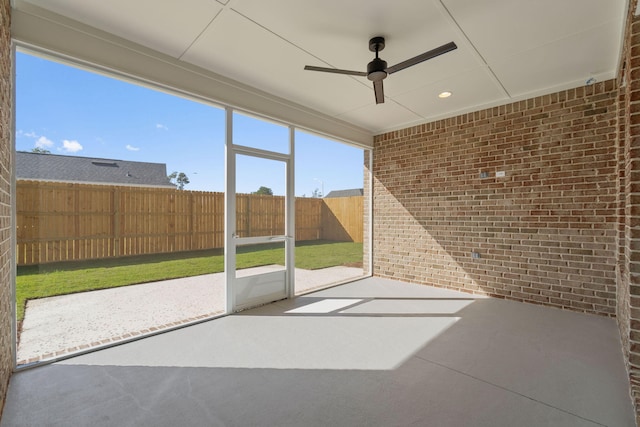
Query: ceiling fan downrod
x=376, y=68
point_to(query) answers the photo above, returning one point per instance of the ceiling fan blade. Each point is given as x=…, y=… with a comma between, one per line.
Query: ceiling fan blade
x=335, y=70
x=379, y=90
x=423, y=57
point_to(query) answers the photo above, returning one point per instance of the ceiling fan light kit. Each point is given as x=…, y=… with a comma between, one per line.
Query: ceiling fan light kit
x=377, y=69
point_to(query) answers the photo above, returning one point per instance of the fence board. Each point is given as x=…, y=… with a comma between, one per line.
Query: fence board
x=69, y=222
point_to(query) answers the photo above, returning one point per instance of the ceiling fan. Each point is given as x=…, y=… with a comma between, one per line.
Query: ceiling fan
x=377, y=69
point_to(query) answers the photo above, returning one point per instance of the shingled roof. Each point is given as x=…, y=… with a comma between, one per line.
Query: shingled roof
x=345, y=193
x=90, y=170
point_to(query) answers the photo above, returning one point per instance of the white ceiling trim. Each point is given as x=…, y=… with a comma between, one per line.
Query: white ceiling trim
x=50, y=33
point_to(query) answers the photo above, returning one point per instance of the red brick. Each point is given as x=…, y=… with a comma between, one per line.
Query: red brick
x=6, y=300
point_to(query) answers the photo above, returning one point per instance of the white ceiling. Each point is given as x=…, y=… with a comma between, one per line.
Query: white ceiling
x=507, y=49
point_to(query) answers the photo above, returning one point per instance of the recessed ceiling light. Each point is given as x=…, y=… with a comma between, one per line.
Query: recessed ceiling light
x=444, y=94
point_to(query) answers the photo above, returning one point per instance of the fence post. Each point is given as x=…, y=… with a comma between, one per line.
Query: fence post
x=192, y=226
x=116, y=222
x=248, y=217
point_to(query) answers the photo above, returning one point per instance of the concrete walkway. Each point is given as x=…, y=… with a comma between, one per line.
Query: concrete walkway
x=59, y=325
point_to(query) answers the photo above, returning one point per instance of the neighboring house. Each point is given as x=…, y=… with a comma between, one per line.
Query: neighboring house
x=345, y=193
x=90, y=170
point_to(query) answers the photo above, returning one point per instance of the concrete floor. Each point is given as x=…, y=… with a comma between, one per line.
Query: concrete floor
x=370, y=353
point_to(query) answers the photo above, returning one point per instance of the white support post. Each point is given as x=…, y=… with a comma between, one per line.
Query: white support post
x=229, y=214
x=290, y=216
x=370, y=223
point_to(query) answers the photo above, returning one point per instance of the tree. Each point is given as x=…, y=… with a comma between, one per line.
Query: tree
x=265, y=191
x=317, y=194
x=40, y=150
x=179, y=179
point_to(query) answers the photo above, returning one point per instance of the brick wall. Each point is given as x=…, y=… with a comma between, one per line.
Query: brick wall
x=622, y=270
x=628, y=271
x=6, y=153
x=545, y=233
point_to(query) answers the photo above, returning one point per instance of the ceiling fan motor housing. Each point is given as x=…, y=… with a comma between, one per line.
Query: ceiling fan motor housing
x=376, y=70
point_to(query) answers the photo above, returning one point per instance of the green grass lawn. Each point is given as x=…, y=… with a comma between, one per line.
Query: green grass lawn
x=66, y=278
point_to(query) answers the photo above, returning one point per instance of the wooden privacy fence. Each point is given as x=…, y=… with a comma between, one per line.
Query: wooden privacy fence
x=342, y=219
x=69, y=222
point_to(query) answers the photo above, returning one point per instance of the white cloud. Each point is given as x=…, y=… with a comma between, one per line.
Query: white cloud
x=44, y=142
x=71, y=146
x=132, y=148
x=31, y=134
x=161, y=126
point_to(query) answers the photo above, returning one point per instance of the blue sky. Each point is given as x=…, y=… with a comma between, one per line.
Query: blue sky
x=74, y=112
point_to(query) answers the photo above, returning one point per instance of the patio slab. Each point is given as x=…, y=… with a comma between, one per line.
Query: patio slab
x=374, y=352
x=60, y=325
